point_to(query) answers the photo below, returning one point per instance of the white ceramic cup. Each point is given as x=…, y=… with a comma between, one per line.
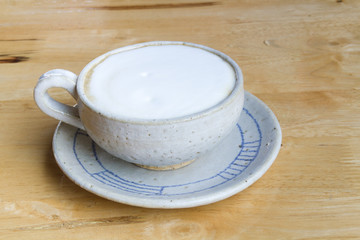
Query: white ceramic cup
x=155, y=144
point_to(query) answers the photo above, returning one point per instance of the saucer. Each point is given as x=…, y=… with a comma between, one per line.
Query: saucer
x=236, y=163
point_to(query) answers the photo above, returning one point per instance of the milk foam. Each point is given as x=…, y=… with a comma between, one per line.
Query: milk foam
x=159, y=82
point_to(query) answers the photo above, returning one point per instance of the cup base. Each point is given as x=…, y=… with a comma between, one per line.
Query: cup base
x=165, y=168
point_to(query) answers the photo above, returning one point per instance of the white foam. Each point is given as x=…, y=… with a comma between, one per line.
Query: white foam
x=160, y=82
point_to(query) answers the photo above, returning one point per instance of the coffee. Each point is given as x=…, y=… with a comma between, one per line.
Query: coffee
x=158, y=104
x=159, y=82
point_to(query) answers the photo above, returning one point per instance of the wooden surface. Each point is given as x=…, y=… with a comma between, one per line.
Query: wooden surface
x=302, y=58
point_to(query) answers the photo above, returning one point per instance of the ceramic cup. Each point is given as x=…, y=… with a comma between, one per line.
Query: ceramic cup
x=157, y=143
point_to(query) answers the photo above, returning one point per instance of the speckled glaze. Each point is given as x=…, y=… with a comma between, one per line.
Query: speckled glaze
x=154, y=143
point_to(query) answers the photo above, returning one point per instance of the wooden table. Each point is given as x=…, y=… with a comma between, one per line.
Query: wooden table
x=302, y=58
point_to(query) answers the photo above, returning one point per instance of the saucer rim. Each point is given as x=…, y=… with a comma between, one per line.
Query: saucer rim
x=180, y=202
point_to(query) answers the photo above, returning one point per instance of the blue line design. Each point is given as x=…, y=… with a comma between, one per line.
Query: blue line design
x=253, y=141
x=241, y=162
x=109, y=183
x=235, y=169
x=227, y=179
x=232, y=174
x=121, y=181
x=244, y=159
x=250, y=156
x=256, y=146
x=240, y=165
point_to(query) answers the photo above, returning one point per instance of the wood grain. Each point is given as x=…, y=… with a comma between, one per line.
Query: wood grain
x=302, y=58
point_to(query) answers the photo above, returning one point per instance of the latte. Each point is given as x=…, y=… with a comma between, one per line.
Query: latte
x=159, y=82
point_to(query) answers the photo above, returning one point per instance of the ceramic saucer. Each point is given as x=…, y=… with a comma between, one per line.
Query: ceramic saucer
x=242, y=158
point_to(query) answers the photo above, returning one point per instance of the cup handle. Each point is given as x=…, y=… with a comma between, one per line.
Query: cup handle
x=62, y=79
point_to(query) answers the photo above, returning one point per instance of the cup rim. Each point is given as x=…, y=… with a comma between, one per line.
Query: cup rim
x=238, y=86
